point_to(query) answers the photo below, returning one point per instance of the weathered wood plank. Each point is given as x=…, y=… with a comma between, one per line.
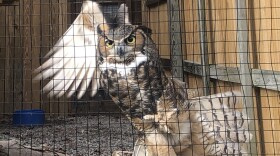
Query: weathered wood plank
x=193, y=68
x=27, y=14
x=17, y=50
x=229, y=74
x=203, y=47
x=245, y=70
x=266, y=79
x=156, y=19
x=2, y=60
x=175, y=38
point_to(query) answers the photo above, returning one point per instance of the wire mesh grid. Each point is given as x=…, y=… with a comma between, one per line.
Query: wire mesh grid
x=228, y=47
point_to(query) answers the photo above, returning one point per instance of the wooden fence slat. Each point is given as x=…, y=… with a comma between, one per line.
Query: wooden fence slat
x=175, y=38
x=266, y=79
x=245, y=72
x=203, y=47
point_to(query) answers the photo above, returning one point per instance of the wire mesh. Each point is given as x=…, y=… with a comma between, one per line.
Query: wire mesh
x=213, y=46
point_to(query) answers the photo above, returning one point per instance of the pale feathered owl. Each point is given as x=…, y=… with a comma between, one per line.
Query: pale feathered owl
x=171, y=123
x=71, y=64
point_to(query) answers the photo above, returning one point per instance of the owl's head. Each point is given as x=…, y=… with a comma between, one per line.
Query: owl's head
x=123, y=41
x=124, y=47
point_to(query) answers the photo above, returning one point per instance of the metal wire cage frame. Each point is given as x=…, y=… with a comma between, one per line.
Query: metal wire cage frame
x=214, y=46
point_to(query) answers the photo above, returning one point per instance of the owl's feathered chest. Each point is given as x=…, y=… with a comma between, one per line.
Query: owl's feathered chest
x=135, y=86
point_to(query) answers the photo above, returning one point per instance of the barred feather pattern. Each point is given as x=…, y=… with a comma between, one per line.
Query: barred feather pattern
x=210, y=125
x=218, y=126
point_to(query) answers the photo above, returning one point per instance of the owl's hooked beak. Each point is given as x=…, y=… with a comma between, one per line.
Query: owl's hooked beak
x=120, y=50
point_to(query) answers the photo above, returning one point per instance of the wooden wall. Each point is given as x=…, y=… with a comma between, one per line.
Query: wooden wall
x=28, y=29
x=265, y=23
x=263, y=50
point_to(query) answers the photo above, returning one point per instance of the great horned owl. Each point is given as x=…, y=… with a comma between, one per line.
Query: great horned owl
x=171, y=122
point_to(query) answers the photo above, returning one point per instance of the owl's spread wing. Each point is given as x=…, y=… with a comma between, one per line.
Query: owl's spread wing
x=218, y=126
x=72, y=62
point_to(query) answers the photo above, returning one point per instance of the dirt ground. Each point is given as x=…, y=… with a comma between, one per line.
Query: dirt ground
x=77, y=135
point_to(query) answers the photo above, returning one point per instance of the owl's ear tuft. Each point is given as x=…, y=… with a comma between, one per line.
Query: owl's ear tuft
x=102, y=28
x=122, y=16
x=146, y=30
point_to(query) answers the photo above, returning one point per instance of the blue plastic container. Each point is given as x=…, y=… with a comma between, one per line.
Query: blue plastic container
x=32, y=117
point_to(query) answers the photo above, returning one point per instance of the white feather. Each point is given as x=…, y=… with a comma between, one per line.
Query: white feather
x=123, y=69
x=72, y=61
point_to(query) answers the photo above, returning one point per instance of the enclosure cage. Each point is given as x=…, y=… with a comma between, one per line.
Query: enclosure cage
x=212, y=45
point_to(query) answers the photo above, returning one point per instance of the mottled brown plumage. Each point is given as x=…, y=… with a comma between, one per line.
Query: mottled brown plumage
x=172, y=123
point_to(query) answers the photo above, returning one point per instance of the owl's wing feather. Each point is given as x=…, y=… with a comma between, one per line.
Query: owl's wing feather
x=218, y=125
x=73, y=59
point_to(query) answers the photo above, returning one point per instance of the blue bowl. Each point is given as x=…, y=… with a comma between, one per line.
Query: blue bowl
x=32, y=117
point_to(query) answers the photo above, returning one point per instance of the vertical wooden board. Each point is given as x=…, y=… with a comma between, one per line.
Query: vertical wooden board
x=13, y=62
x=254, y=20
x=270, y=112
x=56, y=104
x=226, y=86
x=222, y=37
x=10, y=59
x=245, y=69
x=275, y=38
x=264, y=43
x=158, y=22
x=259, y=129
x=175, y=36
x=62, y=23
x=45, y=45
x=27, y=15
x=34, y=56
x=190, y=11
x=253, y=36
x=8, y=83
x=17, y=59
x=2, y=60
x=264, y=33
x=8, y=76
x=194, y=82
x=265, y=56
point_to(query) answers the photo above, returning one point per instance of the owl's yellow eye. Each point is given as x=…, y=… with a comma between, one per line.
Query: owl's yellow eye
x=109, y=43
x=130, y=40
